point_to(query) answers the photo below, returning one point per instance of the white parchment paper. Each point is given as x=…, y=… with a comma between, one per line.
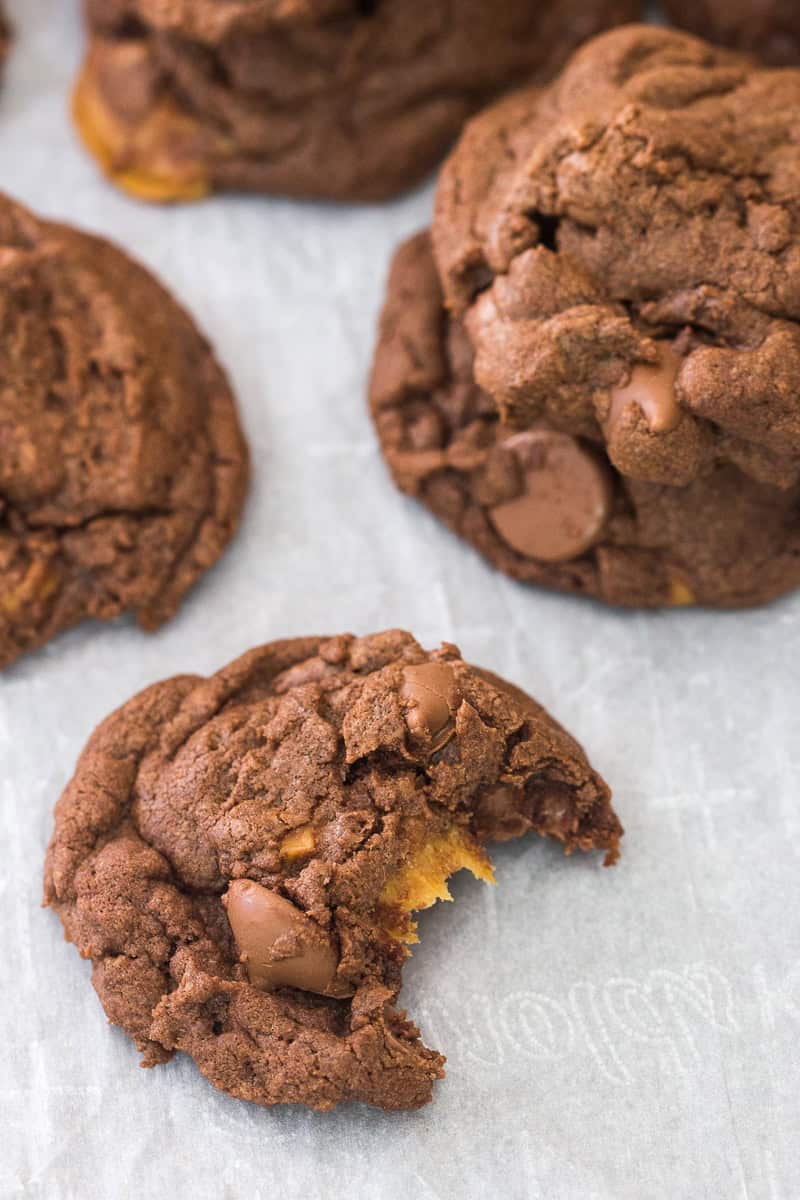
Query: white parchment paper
x=611, y=1034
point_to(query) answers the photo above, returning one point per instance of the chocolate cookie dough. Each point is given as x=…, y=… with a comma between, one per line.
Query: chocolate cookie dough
x=240, y=856
x=122, y=464
x=768, y=28
x=596, y=382
x=329, y=98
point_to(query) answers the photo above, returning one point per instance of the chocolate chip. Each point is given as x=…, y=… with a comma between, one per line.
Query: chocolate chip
x=652, y=390
x=279, y=945
x=566, y=501
x=431, y=698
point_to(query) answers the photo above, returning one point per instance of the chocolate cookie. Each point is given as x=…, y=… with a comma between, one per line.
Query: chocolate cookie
x=768, y=28
x=122, y=464
x=330, y=98
x=5, y=36
x=240, y=856
x=621, y=252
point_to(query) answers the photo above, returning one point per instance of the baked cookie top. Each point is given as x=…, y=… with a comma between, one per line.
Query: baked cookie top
x=123, y=467
x=623, y=248
x=240, y=856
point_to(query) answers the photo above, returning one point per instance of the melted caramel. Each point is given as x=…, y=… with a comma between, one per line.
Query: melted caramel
x=299, y=843
x=679, y=595
x=423, y=880
x=136, y=158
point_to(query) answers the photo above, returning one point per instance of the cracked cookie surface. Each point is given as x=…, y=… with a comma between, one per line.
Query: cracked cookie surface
x=240, y=856
x=768, y=28
x=327, y=98
x=123, y=467
x=616, y=302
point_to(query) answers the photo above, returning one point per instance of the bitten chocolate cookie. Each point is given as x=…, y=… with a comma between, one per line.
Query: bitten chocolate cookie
x=241, y=856
x=122, y=464
x=329, y=98
x=621, y=254
x=768, y=28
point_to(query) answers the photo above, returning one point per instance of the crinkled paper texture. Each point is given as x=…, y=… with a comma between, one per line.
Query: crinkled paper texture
x=611, y=1035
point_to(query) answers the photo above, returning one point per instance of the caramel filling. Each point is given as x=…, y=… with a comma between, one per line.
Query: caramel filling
x=298, y=844
x=679, y=595
x=38, y=585
x=423, y=880
x=140, y=158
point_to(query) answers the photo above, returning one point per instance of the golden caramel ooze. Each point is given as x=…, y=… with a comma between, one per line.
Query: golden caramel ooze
x=423, y=880
x=38, y=585
x=135, y=158
x=679, y=595
x=300, y=843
